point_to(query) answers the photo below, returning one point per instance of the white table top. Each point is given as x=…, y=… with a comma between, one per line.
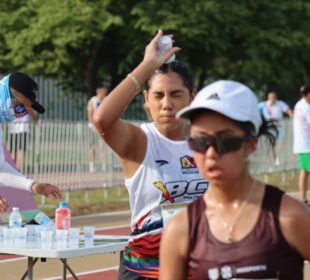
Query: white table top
x=100, y=244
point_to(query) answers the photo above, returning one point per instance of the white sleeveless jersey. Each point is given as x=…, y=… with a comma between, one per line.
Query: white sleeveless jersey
x=167, y=174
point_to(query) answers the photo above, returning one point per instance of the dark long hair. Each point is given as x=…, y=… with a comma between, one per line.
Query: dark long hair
x=268, y=129
x=174, y=67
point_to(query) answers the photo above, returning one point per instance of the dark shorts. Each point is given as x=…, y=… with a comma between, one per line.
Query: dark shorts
x=18, y=141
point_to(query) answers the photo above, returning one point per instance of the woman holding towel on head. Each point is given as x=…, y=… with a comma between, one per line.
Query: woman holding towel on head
x=156, y=161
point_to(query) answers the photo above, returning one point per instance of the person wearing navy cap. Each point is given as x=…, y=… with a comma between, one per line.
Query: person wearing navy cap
x=17, y=98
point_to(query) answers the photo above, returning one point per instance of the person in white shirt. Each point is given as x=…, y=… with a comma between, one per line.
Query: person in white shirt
x=156, y=160
x=92, y=105
x=302, y=139
x=273, y=110
x=19, y=130
x=94, y=102
x=17, y=98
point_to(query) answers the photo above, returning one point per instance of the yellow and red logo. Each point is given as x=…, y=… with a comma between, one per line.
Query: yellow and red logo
x=160, y=185
x=188, y=164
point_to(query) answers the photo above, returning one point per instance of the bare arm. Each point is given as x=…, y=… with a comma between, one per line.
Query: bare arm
x=289, y=112
x=90, y=111
x=121, y=136
x=295, y=225
x=174, y=248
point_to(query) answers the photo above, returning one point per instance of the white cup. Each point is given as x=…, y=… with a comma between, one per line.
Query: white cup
x=31, y=232
x=89, y=232
x=21, y=233
x=74, y=244
x=1, y=232
x=61, y=234
x=37, y=230
x=7, y=233
x=14, y=232
x=74, y=233
x=46, y=236
x=21, y=236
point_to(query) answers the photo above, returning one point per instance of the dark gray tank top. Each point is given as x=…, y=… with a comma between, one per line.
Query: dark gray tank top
x=262, y=254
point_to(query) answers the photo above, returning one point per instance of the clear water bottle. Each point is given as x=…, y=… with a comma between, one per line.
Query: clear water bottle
x=164, y=45
x=43, y=220
x=15, y=219
x=63, y=216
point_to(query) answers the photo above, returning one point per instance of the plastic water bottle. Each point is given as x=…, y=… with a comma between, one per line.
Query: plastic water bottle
x=63, y=216
x=164, y=45
x=43, y=220
x=15, y=219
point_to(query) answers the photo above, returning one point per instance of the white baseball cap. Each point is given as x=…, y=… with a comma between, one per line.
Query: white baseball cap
x=229, y=98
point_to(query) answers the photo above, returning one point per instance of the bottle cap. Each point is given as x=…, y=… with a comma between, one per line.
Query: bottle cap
x=63, y=204
x=15, y=209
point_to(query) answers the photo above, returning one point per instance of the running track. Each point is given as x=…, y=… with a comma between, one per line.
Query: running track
x=119, y=226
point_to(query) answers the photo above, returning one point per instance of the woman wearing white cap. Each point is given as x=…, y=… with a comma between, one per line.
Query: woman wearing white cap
x=241, y=228
x=156, y=160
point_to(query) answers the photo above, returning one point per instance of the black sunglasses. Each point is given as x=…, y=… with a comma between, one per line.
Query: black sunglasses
x=222, y=144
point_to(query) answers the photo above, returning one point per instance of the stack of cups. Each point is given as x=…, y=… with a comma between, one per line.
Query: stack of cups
x=1, y=233
x=74, y=235
x=7, y=235
x=89, y=233
x=32, y=232
x=20, y=234
x=61, y=238
x=46, y=238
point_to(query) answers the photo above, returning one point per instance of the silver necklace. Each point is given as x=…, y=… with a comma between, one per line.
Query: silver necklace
x=229, y=227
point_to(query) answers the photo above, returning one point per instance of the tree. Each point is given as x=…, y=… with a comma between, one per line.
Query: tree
x=63, y=39
x=261, y=43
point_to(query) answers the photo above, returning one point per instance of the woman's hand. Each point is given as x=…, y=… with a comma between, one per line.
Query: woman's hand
x=46, y=190
x=156, y=57
x=4, y=205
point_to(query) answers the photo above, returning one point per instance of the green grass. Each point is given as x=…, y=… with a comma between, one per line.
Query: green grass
x=88, y=201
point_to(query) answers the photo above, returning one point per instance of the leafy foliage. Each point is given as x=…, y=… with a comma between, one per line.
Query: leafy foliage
x=262, y=43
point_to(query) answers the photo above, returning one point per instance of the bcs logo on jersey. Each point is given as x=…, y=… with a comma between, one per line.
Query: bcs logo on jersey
x=183, y=190
x=188, y=165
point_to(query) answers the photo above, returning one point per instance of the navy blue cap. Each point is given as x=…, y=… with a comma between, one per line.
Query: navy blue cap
x=28, y=87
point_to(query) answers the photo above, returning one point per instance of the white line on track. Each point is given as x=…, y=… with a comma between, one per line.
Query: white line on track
x=13, y=259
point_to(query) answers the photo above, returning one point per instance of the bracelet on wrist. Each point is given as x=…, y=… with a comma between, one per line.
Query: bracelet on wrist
x=134, y=79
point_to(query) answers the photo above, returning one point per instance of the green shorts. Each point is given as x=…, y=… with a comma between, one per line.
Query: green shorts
x=304, y=161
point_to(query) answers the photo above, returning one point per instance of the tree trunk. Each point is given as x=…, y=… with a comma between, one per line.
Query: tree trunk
x=91, y=70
